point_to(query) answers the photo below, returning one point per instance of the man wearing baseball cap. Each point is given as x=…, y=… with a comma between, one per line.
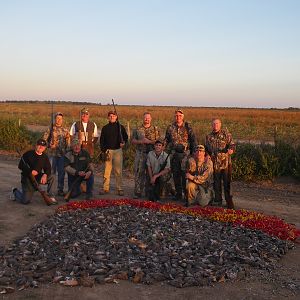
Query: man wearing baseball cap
x=58, y=138
x=85, y=131
x=199, y=177
x=37, y=163
x=180, y=140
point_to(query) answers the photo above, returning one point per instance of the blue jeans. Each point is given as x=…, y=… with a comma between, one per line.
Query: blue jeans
x=58, y=165
x=76, y=189
x=28, y=189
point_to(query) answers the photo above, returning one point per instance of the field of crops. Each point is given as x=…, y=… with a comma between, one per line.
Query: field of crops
x=245, y=124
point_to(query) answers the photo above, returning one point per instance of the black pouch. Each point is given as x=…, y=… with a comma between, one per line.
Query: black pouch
x=104, y=156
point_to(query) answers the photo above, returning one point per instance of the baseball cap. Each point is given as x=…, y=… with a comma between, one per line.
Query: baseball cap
x=41, y=142
x=179, y=110
x=75, y=141
x=111, y=112
x=84, y=111
x=159, y=141
x=199, y=147
x=59, y=114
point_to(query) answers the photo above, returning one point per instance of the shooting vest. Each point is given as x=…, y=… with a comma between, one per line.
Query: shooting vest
x=85, y=136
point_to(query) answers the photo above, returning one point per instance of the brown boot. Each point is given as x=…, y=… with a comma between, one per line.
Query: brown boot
x=230, y=204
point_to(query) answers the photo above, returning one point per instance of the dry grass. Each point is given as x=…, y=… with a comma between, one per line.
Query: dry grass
x=252, y=124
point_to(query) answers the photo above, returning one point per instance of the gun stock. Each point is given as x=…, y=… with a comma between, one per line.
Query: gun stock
x=75, y=182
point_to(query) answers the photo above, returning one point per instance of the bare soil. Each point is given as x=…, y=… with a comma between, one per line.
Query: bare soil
x=280, y=198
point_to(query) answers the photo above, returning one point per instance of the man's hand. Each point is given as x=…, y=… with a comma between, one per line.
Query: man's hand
x=153, y=179
x=88, y=174
x=230, y=151
x=34, y=172
x=189, y=176
x=44, y=179
x=81, y=173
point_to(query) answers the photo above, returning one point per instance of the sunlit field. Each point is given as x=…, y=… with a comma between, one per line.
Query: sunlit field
x=246, y=124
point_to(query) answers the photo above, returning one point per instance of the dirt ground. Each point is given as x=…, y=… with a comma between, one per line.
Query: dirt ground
x=280, y=198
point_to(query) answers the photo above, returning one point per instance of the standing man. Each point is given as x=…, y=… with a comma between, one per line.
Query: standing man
x=79, y=168
x=199, y=174
x=180, y=140
x=58, y=138
x=85, y=131
x=113, y=138
x=220, y=146
x=158, y=165
x=35, y=163
x=144, y=138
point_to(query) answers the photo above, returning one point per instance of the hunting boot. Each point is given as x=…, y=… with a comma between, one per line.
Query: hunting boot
x=230, y=204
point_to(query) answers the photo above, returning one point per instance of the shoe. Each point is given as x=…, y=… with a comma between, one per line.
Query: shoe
x=12, y=194
x=103, y=192
x=120, y=192
x=53, y=201
x=137, y=196
x=89, y=196
x=60, y=193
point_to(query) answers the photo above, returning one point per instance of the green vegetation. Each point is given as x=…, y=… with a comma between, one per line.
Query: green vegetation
x=253, y=160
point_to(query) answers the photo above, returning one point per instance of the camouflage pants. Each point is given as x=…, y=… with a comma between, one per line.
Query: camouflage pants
x=196, y=193
x=140, y=172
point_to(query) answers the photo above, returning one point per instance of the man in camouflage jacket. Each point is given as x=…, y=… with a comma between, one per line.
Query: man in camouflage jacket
x=144, y=138
x=58, y=139
x=220, y=146
x=199, y=175
x=180, y=140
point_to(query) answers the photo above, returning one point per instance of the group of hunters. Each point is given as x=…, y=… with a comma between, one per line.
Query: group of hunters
x=199, y=172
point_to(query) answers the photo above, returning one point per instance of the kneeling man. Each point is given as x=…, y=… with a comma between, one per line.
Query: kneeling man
x=158, y=164
x=199, y=176
x=79, y=168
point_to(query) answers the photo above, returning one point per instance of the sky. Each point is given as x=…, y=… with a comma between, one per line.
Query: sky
x=227, y=53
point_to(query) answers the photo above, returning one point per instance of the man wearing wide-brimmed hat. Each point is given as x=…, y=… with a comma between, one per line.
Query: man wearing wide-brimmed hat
x=199, y=176
x=180, y=141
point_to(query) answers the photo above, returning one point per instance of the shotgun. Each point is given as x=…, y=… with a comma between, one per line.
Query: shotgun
x=120, y=130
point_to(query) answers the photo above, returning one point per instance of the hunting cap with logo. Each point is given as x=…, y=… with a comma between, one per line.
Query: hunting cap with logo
x=199, y=147
x=41, y=142
x=75, y=141
x=179, y=110
x=84, y=111
x=58, y=114
x=159, y=141
x=111, y=112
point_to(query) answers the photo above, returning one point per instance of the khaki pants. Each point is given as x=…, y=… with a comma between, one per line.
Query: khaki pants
x=116, y=163
x=196, y=193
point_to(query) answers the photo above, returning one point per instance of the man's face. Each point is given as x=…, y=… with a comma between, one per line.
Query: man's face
x=76, y=148
x=158, y=148
x=85, y=117
x=199, y=154
x=179, y=117
x=147, y=119
x=39, y=149
x=112, y=118
x=58, y=120
x=216, y=125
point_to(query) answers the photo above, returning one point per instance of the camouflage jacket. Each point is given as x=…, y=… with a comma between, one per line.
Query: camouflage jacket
x=151, y=133
x=58, y=139
x=217, y=145
x=180, y=138
x=203, y=173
